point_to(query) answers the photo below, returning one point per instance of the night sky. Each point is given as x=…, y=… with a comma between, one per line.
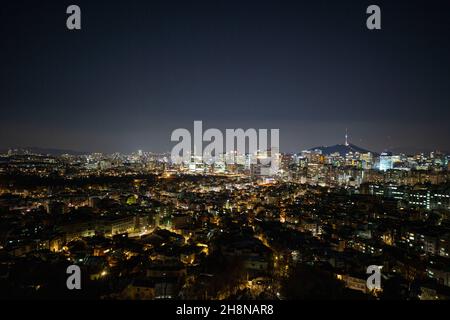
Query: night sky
x=140, y=69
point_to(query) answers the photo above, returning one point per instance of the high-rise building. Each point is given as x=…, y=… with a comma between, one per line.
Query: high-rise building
x=386, y=162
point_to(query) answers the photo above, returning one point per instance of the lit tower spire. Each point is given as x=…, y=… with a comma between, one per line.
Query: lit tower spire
x=346, y=137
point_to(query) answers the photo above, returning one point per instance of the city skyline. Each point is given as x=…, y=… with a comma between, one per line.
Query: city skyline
x=225, y=157
x=347, y=141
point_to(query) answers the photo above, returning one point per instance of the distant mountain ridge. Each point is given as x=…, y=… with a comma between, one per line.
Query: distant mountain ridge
x=411, y=150
x=342, y=149
x=43, y=151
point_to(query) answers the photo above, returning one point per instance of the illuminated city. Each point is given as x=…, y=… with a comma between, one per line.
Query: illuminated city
x=224, y=157
x=141, y=227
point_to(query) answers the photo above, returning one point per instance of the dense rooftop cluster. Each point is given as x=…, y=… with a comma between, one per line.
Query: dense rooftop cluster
x=142, y=228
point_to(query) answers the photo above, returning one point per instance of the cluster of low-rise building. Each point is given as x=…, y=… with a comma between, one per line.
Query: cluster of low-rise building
x=140, y=228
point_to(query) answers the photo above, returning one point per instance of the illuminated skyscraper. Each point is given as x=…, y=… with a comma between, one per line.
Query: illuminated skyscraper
x=386, y=161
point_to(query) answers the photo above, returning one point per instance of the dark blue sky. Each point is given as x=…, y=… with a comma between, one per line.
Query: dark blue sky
x=140, y=69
